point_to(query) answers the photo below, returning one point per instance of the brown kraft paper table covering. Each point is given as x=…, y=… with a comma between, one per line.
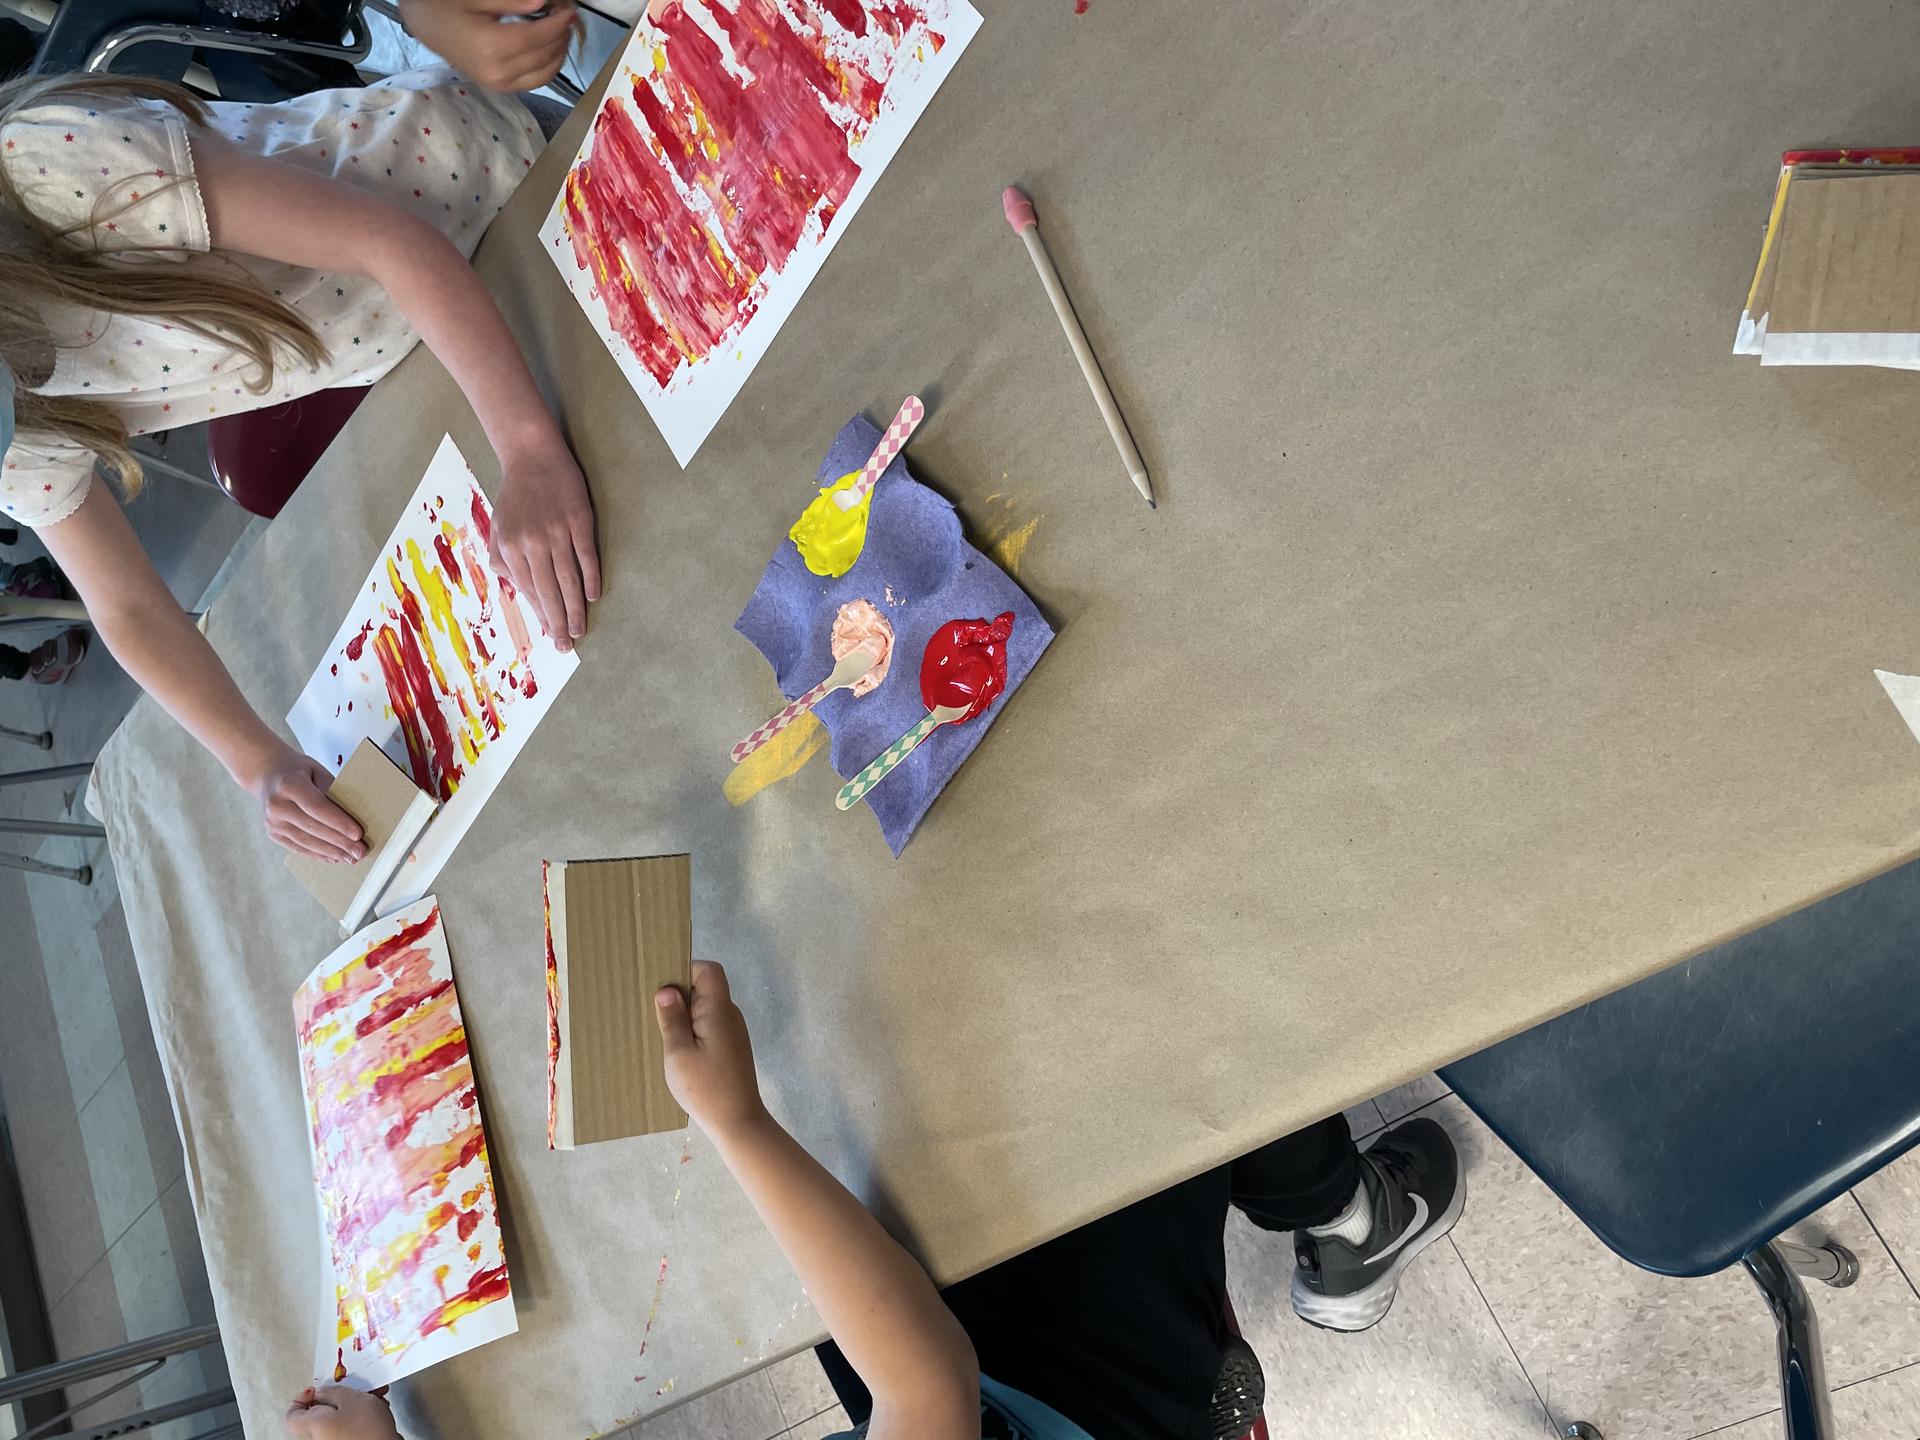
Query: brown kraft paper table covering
x=1499, y=640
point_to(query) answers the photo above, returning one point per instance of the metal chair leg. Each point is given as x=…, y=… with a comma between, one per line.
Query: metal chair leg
x=80, y=875
x=1803, y=1369
x=39, y=739
x=1832, y=1265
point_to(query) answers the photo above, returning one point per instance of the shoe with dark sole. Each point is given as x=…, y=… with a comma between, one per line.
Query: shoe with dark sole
x=56, y=659
x=1411, y=1177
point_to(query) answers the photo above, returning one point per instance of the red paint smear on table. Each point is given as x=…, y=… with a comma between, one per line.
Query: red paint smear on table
x=653, y=1310
x=965, y=664
x=767, y=153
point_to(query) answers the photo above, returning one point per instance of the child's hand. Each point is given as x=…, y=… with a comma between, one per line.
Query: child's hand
x=336, y=1413
x=292, y=791
x=543, y=540
x=709, y=1055
x=502, y=55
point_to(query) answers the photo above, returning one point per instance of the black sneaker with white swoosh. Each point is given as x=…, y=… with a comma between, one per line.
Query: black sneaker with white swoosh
x=1411, y=1175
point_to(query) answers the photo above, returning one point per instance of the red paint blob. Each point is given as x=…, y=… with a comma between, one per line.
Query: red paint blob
x=966, y=664
x=447, y=562
x=358, y=644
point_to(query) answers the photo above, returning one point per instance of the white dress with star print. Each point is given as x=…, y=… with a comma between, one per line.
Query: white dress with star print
x=121, y=175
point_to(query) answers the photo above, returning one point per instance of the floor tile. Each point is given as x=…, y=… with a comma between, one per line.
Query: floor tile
x=1437, y=1365
x=77, y=982
x=1892, y=1202
x=34, y=1089
x=1641, y=1355
x=146, y=1277
x=1887, y=1407
x=1403, y=1100
x=123, y=1183
x=88, y=1320
x=744, y=1410
x=1365, y=1118
x=800, y=1387
x=190, y=1266
x=61, y=1219
x=182, y=1378
x=830, y=1422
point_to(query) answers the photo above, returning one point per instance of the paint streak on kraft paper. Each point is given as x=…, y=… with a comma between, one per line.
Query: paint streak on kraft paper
x=785, y=754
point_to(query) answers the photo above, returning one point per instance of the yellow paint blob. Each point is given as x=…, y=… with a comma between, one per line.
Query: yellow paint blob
x=830, y=539
x=785, y=754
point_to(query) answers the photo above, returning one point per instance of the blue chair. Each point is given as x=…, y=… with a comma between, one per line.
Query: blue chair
x=1726, y=1099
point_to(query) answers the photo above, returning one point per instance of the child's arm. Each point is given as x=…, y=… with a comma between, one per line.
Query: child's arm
x=337, y=1413
x=879, y=1304
x=152, y=638
x=543, y=524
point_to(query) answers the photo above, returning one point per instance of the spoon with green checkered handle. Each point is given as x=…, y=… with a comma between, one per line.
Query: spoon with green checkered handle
x=855, y=790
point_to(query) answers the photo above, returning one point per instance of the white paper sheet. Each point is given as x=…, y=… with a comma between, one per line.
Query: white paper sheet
x=415, y=1269
x=1904, y=691
x=687, y=214
x=438, y=663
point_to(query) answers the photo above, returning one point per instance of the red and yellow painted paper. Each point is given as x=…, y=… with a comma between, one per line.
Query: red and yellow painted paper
x=407, y=1206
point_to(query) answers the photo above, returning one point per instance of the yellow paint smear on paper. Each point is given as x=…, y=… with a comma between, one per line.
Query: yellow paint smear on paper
x=785, y=754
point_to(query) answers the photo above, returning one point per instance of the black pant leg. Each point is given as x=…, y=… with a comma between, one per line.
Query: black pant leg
x=1118, y=1325
x=1303, y=1179
x=14, y=664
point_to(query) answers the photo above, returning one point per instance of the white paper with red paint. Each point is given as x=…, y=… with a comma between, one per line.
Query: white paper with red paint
x=414, y=1269
x=439, y=663
x=734, y=146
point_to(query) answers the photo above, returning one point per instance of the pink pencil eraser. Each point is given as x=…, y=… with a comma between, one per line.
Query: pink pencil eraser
x=1018, y=207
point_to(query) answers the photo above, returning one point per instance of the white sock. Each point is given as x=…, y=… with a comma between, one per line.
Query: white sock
x=1353, y=1224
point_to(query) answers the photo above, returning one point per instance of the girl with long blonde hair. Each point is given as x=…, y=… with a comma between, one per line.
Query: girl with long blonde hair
x=165, y=260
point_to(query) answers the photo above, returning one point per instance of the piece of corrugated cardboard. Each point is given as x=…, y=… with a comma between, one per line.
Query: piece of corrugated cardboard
x=628, y=930
x=378, y=794
x=1848, y=255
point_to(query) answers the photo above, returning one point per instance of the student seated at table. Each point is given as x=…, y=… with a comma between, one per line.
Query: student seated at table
x=164, y=261
x=1114, y=1332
